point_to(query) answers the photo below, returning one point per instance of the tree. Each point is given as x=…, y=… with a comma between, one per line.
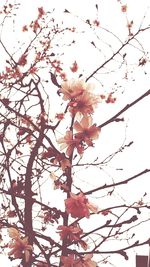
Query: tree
x=59, y=203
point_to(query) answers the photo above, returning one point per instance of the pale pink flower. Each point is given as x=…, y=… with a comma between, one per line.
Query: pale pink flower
x=41, y=12
x=86, y=131
x=64, y=163
x=19, y=246
x=124, y=8
x=74, y=67
x=69, y=142
x=85, y=103
x=71, y=233
x=71, y=89
x=22, y=60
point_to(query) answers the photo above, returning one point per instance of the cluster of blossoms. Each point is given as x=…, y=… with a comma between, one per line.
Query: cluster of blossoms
x=78, y=206
x=35, y=25
x=19, y=246
x=82, y=101
x=80, y=96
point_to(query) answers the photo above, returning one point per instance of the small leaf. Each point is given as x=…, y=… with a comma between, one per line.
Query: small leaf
x=88, y=21
x=52, y=55
x=54, y=80
x=93, y=44
x=66, y=11
x=124, y=254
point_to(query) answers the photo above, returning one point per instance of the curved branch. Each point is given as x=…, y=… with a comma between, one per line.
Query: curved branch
x=116, y=184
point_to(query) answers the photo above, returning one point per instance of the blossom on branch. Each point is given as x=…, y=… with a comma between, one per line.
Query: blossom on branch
x=71, y=89
x=41, y=12
x=124, y=8
x=71, y=233
x=22, y=60
x=78, y=206
x=80, y=95
x=64, y=162
x=96, y=22
x=19, y=246
x=86, y=131
x=84, y=103
x=60, y=116
x=69, y=142
x=74, y=67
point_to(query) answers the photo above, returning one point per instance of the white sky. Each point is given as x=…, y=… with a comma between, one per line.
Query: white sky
x=111, y=18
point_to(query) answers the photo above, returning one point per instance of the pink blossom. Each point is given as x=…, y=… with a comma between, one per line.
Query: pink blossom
x=79, y=206
x=71, y=233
